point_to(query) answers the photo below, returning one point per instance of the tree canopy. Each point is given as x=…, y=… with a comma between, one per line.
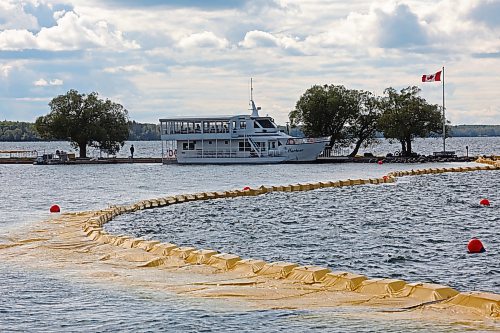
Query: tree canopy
x=405, y=116
x=324, y=110
x=362, y=127
x=346, y=115
x=85, y=120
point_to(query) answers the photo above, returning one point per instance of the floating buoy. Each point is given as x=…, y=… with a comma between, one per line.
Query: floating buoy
x=475, y=246
x=484, y=202
x=380, y=162
x=385, y=178
x=246, y=188
x=55, y=209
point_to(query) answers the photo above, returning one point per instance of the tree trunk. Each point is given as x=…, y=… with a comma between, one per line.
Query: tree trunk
x=408, y=147
x=403, y=148
x=356, y=148
x=82, y=147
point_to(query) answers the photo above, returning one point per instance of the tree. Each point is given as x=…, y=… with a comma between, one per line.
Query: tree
x=406, y=116
x=85, y=120
x=324, y=110
x=363, y=126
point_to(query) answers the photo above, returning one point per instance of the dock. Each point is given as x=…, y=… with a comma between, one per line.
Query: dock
x=116, y=160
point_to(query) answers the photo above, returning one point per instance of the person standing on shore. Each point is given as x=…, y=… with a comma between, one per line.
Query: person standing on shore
x=132, y=151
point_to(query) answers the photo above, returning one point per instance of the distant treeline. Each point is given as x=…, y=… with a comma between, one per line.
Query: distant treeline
x=24, y=131
x=475, y=130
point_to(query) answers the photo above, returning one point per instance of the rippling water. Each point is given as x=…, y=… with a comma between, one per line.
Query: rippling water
x=55, y=302
x=416, y=229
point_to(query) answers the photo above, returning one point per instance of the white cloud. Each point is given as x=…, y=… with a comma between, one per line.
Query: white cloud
x=72, y=32
x=5, y=70
x=14, y=40
x=257, y=38
x=262, y=39
x=206, y=39
x=56, y=82
x=12, y=16
x=127, y=68
x=44, y=83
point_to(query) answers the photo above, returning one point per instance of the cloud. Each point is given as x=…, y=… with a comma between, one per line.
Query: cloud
x=5, y=70
x=127, y=68
x=206, y=39
x=14, y=40
x=44, y=83
x=262, y=39
x=72, y=32
x=399, y=27
x=13, y=16
x=487, y=12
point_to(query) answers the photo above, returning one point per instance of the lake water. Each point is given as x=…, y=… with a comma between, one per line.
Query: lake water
x=416, y=229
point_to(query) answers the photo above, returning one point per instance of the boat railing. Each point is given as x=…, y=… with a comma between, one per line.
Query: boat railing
x=334, y=152
x=225, y=154
x=300, y=141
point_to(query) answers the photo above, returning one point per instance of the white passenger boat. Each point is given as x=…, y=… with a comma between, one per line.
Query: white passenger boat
x=242, y=139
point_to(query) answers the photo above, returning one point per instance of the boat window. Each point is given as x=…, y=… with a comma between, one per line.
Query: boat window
x=226, y=142
x=265, y=123
x=188, y=145
x=244, y=146
x=256, y=125
x=209, y=142
x=234, y=126
x=243, y=124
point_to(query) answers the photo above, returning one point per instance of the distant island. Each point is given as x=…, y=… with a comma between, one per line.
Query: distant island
x=24, y=131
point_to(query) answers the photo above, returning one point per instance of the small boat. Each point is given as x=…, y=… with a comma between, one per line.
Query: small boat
x=60, y=157
x=240, y=139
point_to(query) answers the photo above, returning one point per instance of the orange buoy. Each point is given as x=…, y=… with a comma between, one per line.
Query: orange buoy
x=55, y=209
x=484, y=202
x=246, y=188
x=475, y=246
x=380, y=162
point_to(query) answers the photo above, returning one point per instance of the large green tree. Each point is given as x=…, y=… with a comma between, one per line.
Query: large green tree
x=324, y=110
x=405, y=116
x=85, y=120
x=362, y=127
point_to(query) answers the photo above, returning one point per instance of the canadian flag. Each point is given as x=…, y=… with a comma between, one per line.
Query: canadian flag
x=432, y=77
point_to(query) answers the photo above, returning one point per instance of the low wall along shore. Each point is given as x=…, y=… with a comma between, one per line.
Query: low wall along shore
x=79, y=238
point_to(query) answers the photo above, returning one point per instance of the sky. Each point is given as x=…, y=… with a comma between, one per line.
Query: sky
x=195, y=58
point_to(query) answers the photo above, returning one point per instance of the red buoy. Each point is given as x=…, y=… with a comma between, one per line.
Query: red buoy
x=484, y=202
x=55, y=209
x=380, y=162
x=246, y=188
x=385, y=178
x=475, y=246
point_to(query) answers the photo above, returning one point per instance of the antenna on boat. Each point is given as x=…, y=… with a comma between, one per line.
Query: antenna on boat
x=255, y=110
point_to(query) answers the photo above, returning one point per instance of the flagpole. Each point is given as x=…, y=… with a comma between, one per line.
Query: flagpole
x=444, y=120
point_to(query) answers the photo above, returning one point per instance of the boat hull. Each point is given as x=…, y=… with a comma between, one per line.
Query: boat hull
x=302, y=152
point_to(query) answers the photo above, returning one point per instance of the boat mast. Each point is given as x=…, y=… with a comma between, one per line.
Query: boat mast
x=255, y=110
x=251, y=89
